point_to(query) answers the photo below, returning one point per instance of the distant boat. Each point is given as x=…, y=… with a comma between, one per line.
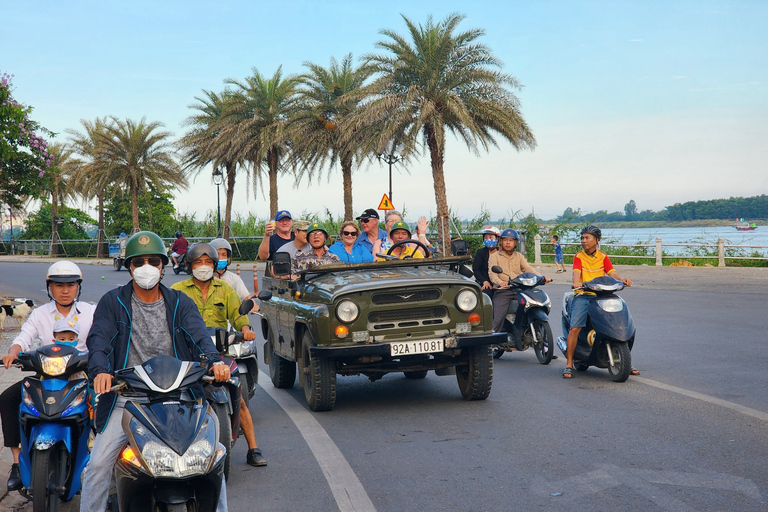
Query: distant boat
x=743, y=225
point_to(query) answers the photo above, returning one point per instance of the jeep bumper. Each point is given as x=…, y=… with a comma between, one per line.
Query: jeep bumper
x=382, y=349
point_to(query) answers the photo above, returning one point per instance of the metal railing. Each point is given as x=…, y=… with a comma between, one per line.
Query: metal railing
x=659, y=255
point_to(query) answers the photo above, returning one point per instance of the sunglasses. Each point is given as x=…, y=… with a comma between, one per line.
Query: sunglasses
x=349, y=233
x=365, y=221
x=155, y=261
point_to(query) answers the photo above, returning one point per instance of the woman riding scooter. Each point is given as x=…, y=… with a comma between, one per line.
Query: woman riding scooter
x=512, y=263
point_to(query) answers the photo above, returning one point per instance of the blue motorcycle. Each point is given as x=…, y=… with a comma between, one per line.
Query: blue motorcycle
x=55, y=425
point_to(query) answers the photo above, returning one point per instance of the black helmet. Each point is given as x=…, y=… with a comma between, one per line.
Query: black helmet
x=178, y=234
x=592, y=230
x=198, y=250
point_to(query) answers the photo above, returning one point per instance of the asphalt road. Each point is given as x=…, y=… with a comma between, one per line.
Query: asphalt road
x=689, y=434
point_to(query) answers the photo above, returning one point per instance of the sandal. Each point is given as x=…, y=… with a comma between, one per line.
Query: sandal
x=568, y=373
x=634, y=371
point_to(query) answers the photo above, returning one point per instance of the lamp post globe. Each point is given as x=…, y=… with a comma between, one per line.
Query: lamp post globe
x=218, y=179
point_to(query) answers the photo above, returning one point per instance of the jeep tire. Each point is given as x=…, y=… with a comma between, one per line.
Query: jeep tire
x=476, y=376
x=318, y=378
x=282, y=372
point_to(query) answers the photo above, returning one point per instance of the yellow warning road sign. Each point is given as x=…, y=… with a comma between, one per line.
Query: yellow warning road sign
x=385, y=203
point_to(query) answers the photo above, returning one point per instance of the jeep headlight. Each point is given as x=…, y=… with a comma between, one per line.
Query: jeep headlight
x=610, y=305
x=162, y=461
x=347, y=311
x=54, y=366
x=466, y=300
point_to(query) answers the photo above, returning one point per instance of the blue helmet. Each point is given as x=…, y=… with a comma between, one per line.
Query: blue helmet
x=509, y=233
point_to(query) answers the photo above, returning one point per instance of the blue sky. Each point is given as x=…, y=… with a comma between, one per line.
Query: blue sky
x=660, y=102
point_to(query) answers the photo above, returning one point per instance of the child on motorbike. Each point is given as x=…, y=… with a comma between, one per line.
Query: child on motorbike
x=588, y=264
x=480, y=262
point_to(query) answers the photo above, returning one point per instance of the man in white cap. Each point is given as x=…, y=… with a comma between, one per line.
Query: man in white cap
x=63, y=283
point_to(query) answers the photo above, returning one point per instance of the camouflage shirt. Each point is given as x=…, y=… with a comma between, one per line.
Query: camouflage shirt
x=303, y=261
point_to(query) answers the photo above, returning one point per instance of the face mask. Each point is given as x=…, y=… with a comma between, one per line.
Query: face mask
x=203, y=273
x=67, y=343
x=489, y=243
x=221, y=265
x=146, y=276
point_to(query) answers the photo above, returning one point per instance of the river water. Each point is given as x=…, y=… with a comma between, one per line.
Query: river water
x=698, y=235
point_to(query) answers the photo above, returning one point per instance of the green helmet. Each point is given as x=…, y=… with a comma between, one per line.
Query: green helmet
x=400, y=225
x=316, y=226
x=144, y=243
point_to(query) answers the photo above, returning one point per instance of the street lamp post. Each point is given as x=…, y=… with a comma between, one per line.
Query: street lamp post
x=218, y=179
x=10, y=212
x=390, y=156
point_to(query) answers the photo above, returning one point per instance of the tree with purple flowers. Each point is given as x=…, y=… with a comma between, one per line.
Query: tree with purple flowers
x=24, y=156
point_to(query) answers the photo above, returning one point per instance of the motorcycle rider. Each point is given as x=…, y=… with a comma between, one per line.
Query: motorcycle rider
x=588, y=264
x=132, y=324
x=208, y=295
x=480, y=262
x=224, y=253
x=513, y=264
x=63, y=282
x=178, y=248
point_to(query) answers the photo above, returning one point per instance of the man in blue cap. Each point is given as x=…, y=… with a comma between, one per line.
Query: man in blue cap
x=276, y=234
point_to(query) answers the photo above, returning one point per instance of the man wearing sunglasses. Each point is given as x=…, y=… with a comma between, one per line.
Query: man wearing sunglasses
x=317, y=236
x=369, y=224
x=133, y=323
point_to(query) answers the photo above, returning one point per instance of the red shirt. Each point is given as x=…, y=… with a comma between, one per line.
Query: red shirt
x=180, y=245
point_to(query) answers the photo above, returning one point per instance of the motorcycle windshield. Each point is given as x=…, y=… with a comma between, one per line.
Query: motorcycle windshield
x=175, y=422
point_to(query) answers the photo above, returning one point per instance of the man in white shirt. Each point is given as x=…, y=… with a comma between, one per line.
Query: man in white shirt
x=63, y=282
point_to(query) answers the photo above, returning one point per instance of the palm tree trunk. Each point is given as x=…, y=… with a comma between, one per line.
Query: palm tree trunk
x=346, y=174
x=272, y=162
x=437, y=153
x=100, y=243
x=231, y=173
x=135, y=206
x=54, y=250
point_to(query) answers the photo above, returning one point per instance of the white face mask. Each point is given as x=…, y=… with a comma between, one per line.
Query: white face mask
x=203, y=273
x=146, y=276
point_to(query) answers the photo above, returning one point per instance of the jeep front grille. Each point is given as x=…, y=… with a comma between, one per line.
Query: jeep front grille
x=412, y=317
x=381, y=299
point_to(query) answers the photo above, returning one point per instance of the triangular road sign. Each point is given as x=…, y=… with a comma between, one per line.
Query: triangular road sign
x=385, y=203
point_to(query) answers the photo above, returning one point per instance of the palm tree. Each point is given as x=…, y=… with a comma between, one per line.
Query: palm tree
x=137, y=155
x=204, y=144
x=63, y=166
x=93, y=178
x=327, y=99
x=256, y=122
x=442, y=80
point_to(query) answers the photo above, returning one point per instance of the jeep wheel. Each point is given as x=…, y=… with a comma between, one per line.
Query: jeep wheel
x=318, y=378
x=476, y=377
x=281, y=371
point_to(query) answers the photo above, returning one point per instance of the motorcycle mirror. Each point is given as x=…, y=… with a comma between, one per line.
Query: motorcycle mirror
x=497, y=269
x=265, y=295
x=245, y=307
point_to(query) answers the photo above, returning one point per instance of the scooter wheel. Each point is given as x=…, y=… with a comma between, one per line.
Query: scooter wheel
x=498, y=352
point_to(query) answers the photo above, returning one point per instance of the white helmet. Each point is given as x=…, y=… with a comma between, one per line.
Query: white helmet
x=492, y=230
x=64, y=272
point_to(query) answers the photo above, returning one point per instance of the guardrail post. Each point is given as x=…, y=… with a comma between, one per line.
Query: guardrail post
x=720, y=252
x=658, y=252
x=26, y=249
x=537, y=248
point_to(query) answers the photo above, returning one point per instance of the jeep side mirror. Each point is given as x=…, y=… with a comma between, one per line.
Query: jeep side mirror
x=459, y=248
x=281, y=264
x=466, y=271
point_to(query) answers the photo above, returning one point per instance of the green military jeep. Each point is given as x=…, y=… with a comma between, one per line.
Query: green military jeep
x=409, y=316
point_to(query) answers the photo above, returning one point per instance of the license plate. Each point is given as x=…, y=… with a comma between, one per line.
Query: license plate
x=407, y=348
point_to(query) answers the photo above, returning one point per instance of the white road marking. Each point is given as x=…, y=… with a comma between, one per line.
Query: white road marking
x=347, y=490
x=706, y=398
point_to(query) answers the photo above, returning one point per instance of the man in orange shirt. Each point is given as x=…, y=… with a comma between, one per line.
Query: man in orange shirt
x=588, y=264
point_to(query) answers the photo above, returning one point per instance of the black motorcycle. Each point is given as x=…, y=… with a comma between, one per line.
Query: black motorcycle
x=527, y=321
x=182, y=265
x=607, y=340
x=173, y=460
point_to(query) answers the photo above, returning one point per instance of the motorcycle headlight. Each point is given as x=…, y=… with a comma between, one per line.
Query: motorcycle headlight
x=162, y=461
x=466, y=300
x=528, y=281
x=611, y=305
x=347, y=311
x=54, y=366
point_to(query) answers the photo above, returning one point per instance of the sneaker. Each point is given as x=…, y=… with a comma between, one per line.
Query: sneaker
x=255, y=458
x=175, y=267
x=14, y=479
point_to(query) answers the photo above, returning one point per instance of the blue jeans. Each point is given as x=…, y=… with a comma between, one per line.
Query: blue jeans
x=579, y=309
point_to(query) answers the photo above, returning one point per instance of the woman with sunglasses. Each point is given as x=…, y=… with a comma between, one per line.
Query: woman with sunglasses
x=347, y=248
